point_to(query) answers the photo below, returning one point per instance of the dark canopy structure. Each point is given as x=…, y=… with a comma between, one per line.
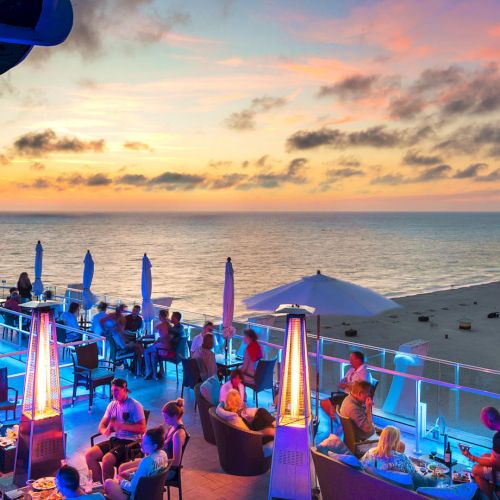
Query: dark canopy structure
x=26, y=23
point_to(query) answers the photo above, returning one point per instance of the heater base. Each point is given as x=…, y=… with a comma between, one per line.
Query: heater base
x=40, y=448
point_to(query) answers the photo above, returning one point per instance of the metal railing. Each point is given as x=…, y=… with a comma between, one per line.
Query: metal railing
x=440, y=388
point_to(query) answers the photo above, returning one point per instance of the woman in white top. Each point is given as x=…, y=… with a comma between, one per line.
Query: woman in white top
x=235, y=382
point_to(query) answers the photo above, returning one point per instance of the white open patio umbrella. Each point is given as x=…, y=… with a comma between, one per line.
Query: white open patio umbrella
x=38, y=285
x=148, y=312
x=228, y=329
x=88, y=298
x=329, y=296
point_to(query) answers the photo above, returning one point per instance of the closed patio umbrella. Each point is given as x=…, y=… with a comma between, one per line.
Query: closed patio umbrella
x=88, y=298
x=38, y=285
x=328, y=296
x=148, y=313
x=228, y=329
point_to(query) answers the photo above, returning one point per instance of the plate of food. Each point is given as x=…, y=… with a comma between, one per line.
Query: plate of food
x=44, y=483
x=418, y=462
x=461, y=477
x=437, y=469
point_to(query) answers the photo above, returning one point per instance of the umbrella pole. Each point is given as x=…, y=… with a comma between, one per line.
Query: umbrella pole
x=318, y=354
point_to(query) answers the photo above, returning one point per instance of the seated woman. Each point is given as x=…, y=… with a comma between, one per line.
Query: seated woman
x=156, y=461
x=68, y=484
x=253, y=353
x=483, y=470
x=177, y=436
x=235, y=382
x=255, y=419
x=205, y=357
x=388, y=454
x=70, y=318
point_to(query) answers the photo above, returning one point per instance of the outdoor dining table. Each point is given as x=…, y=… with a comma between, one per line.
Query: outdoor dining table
x=227, y=364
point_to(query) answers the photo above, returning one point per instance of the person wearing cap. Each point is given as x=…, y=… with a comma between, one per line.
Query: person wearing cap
x=125, y=417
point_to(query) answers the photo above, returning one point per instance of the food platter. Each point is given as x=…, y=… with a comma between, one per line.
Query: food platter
x=437, y=469
x=44, y=483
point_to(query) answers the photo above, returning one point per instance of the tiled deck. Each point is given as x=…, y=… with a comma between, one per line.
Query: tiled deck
x=202, y=475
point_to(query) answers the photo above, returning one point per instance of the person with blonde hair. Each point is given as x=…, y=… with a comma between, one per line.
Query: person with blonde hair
x=233, y=411
x=388, y=454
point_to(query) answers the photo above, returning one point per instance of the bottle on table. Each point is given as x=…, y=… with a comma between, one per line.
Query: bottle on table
x=447, y=455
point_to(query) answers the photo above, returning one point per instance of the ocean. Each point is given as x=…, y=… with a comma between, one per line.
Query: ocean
x=394, y=253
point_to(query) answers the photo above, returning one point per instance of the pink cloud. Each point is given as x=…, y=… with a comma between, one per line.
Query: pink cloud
x=406, y=28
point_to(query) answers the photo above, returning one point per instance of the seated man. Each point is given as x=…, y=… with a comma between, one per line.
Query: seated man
x=68, y=484
x=205, y=358
x=125, y=417
x=133, y=322
x=483, y=470
x=358, y=407
x=176, y=329
x=357, y=372
x=163, y=342
x=208, y=327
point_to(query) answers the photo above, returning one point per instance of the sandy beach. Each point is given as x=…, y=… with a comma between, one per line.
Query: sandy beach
x=480, y=346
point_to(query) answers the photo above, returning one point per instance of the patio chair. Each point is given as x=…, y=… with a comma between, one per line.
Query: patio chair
x=263, y=379
x=176, y=480
x=206, y=422
x=240, y=451
x=151, y=487
x=11, y=321
x=117, y=356
x=165, y=356
x=190, y=376
x=358, y=448
x=89, y=371
x=7, y=404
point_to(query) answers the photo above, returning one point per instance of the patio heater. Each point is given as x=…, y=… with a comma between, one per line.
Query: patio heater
x=291, y=465
x=40, y=445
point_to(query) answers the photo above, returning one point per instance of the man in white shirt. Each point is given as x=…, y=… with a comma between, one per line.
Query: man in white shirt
x=198, y=340
x=357, y=373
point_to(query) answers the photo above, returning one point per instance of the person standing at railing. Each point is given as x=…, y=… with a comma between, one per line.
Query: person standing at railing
x=487, y=468
x=24, y=286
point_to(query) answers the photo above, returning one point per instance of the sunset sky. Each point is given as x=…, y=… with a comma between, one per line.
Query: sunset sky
x=258, y=105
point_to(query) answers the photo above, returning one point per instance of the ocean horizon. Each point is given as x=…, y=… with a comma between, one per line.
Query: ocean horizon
x=395, y=253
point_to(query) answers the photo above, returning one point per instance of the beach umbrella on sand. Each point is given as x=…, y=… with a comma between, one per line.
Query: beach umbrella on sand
x=148, y=312
x=88, y=298
x=228, y=329
x=38, y=285
x=329, y=296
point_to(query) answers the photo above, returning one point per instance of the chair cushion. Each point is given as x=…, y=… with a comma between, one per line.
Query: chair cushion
x=7, y=405
x=98, y=373
x=334, y=444
x=402, y=479
x=210, y=390
x=350, y=460
x=457, y=492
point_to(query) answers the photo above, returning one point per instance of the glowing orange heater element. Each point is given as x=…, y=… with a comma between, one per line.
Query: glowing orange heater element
x=42, y=394
x=40, y=446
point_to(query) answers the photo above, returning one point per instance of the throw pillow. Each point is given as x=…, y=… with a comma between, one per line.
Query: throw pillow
x=334, y=444
x=350, y=460
x=402, y=479
x=457, y=492
x=210, y=390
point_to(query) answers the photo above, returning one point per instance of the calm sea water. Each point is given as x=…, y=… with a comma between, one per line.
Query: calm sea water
x=393, y=253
